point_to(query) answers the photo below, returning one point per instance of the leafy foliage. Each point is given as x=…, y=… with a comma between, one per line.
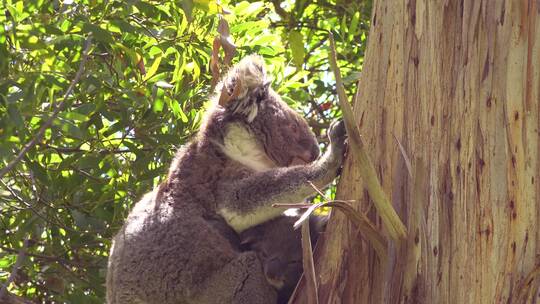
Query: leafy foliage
x=142, y=94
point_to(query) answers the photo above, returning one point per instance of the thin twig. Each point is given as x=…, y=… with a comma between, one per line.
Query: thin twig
x=45, y=257
x=15, y=269
x=318, y=190
x=134, y=18
x=299, y=206
x=316, y=107
x=22, y=201
x=90, y=176
x=55, y=113
x=280, y=11
x=317, y=124
x=33, y=208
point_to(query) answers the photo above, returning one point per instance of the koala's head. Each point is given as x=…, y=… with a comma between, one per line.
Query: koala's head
x=247, y=97
x=279, y=248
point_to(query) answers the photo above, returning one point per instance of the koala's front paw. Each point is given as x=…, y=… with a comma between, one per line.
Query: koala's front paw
x=337, y=135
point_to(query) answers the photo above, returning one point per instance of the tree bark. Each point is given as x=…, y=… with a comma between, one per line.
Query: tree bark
x=456, y=84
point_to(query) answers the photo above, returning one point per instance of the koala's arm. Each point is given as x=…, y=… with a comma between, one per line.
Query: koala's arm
x=248, y=202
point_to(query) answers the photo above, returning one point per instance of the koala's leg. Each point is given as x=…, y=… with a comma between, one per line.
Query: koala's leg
x=241, y=281
x=248, y=202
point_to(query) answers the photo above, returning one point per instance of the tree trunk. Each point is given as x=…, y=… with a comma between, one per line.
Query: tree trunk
x=456, y=84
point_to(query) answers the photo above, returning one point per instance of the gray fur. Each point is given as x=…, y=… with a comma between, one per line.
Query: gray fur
x=279, y=248
x=170, y=251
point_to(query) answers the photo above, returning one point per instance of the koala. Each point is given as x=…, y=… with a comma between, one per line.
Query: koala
x=279, y=248
x=251, y=151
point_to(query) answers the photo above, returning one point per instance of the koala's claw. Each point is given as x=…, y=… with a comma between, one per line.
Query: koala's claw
x=338, y=136
x=337, y=131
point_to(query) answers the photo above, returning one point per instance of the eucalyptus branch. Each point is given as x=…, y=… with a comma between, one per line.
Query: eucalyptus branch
x=55, y=113
x=299, y=25
x=71, y=150
x=47, y=258
x=33, y=208
x=22, y=201
x=15, y=269
x=280, y=11
x=135, y=19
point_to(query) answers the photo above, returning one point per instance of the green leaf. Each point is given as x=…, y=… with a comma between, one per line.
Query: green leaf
x=297, y=47
x=153, y=69
x=38, y=171
x=124, y=26
x=74, y=116
x=354, y=24
x=99, y=33
x=7, y=260
x=187, y=7
x=177, y=110
x=158, y=105
x=15, y=116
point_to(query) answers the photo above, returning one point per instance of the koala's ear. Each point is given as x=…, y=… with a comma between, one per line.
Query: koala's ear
x=225, y=98
x=251, y=236
x=248, y=239
x=244, y=86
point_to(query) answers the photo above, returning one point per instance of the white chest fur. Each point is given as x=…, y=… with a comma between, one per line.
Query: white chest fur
x=240, y=145
x=241, y=222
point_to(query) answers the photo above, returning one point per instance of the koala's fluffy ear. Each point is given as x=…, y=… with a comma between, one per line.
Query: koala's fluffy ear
x=253, y=236
x=249, y=241
x=266, y=85
x=244, y=86
x=225, y=98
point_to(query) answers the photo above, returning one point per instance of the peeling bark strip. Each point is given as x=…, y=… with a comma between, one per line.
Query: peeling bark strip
x=390, y=219
x=458, y=85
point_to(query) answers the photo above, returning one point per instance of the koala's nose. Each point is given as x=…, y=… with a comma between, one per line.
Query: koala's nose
x=312, y=154
x=308, y=156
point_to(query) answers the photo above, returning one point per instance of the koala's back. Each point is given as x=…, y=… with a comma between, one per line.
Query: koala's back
x=165, y=256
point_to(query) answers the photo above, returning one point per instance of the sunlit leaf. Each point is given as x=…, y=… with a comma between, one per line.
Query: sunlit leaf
x=296, y=42
x=187, y=7
x=153, y=68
